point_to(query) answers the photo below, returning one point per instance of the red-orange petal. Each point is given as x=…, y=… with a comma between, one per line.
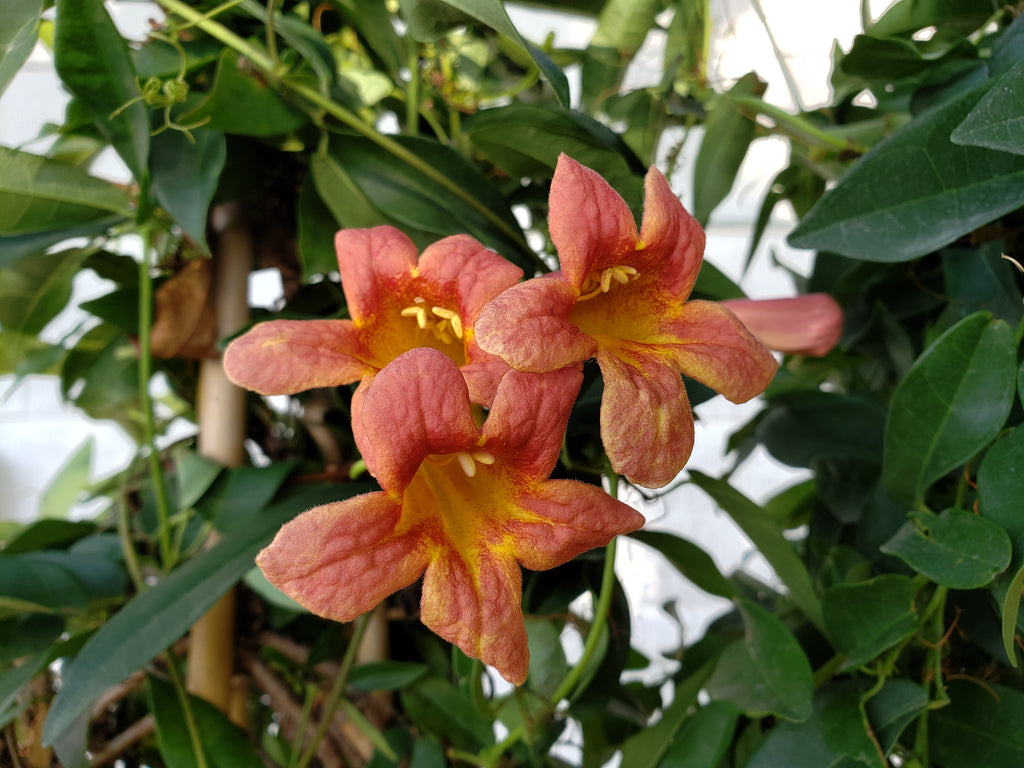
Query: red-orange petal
x=372, y=262
x=590, y=223
x=340, y=560
x=712, y=346
x=282, y=357
x=527, y=326
x=572, y=518
x=528, y=417
x=417, y=406
x=673, y=240
x=646, y=423
x=478, y=606
x=476, y=275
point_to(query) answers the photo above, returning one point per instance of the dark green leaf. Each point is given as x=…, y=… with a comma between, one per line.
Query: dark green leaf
x=242, y=491
x=997, y=122
x=801, y=426
x=19, y=23
x=47, y=534
x=893, y=708
x=34, y=290
x=1008, y=591
x=38, y=195
x=31, y=583
x=914, y=192
x=185, y=175
x=957, y=549
x=157, y=617
x=646, y=748
x=222, y=743
x=844, y=724
x=93, y=62
x=13, y=681
x=428, y=753
x=316, y=224
x=101, y=576
x=690, y=560
x=25, y=634
x=548, y=666
x=442, y=709
x=1001, y=483
x=195, y=474
x=728, y=132
x=386, y=675
x=703, y=739
x=765, y=673
x=242, y=103
x=980, y=726
x=866, y=618
x=952, y=402
x=911, y=15
x=13, y=248
x=767, y=536
x=980, y=278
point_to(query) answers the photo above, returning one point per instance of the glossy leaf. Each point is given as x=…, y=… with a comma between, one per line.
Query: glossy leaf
x=980, y=726
x=154, y=619
x=952, y=402
x=997, y=122
x=223, y=744
x=93, y=63
x=728, y=132
x=766, y=673
x=690, y=560
x=914, y=192
x=866, y=618
x=768, y=538
x=1008, y=592
x=1001, y=483
x=980, y=278
x=39, y=195
x=703, y=739
x=956, y=548
x=19, y=22
x=893, y=708
x=32, y=583
x=844, y=724
x=242, y=103
x=185, y=174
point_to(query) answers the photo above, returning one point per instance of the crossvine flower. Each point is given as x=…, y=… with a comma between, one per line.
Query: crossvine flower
x=396, y=302
x=621, y=297
x=462, y=505
x=801, y=325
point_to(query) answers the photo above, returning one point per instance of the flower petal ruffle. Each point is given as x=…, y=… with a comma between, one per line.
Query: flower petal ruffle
x=282, y=357
x=340, y=560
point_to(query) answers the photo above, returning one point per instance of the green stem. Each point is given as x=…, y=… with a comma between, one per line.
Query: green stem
x=794, y=91
x=331, y=702
x=186, y=709
x=827, y=671
x=412, y=100
x=131, y=559
x=262, y=61
x=271, y=34
x=156, y=473
x=796, y=124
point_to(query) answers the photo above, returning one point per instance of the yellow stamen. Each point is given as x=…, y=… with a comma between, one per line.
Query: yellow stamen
x=468, y=461
x=419, y=313
x=451, y=317
x=448, y=322
x=600, y=281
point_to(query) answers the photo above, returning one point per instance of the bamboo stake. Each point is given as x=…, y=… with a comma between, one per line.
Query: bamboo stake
x=221, y=414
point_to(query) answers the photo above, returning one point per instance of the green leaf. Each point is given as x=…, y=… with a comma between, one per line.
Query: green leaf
x=223, y=744
x=801, y=426
x=951, y=404
x=47, y=534
x=703, y=739
x=258, y=583
x=868, y=617
x=956, y=548
x=386, y=675
x=524, y=140
x=25, y=634
x=893, y=708
x=768, y=538
x=185, y=175
x=728, y=132
x=32, y=583
x=13, y=681
x=242, y=103
x=415, y=201
x=13, y=248
x=195, y=474
x=844, y=725
x=442, y=709
x=241, y=491
x=93, y=62
x=690, y=560
x=33, y=291
x=19, y=24
x=73, y=476
x=997, y=122
x=316, y=224
x=1008, y=592
x=765, y=673
x=980, y=726
x=548, y=666
x=422, y=15
x=38, y=195
x=646, y=748
x=154, y=619
x=911, y=15
x=914, y=192
x=980, y=278
x=1001, y=483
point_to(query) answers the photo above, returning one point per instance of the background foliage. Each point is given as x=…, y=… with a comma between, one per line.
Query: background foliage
x=897, y=638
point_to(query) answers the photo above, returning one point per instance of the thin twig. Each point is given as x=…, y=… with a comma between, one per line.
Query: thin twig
x=134, y=733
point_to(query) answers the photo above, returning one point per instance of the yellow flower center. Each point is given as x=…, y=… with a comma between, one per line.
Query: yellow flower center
x=443, y=323
x=467, y=460
x=601, y=280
